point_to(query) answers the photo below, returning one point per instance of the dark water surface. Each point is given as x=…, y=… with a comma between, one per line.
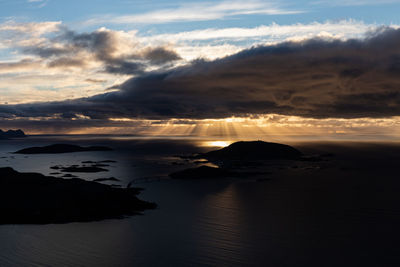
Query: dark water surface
x=344, y=211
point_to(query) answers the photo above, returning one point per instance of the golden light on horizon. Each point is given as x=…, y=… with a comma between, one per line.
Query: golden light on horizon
x=270, y=126
x=217, y=143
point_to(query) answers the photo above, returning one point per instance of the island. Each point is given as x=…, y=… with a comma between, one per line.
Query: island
x=61, y=148
x=32, y=198
x=253, y=150
x=11, y=134
x=238, y=160
x=77, y=168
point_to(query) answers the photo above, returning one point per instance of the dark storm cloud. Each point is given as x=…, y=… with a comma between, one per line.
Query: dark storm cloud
x=314, y=78
x=72, y=49
x=47, y=52
x=160, y=55
x=95, y=81
x=64, y=125
x=67, y=62
x=124, y=67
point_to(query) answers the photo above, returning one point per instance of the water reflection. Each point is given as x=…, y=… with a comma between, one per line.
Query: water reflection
x=221, y=227
x=338, y=216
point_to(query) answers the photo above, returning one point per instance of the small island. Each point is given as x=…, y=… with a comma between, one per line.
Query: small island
x=11, y=134
x=32, y=198
x=61, y=148
x=77, y=168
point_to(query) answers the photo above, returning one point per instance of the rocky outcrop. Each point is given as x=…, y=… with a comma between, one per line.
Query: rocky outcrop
x=32, y=198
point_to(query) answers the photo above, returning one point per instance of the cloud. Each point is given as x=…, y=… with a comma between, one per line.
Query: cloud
x=32, y=28
x=213, y=43
x=160, y=55
x=95, y=81
x=115, y=51
x=355, y=2
x=315, y=78
x=272, y=126
x=39, y=3
x=197, y=12
x=344, y=29
x=50, y=56
x=22, y=65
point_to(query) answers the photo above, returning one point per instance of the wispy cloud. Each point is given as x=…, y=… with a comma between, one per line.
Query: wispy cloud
x=215, y=43
x=40, y=3
x=342, y=29
x=197, y=12
x=355, y=2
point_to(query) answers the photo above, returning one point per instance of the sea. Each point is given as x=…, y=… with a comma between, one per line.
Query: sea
x=341, y=211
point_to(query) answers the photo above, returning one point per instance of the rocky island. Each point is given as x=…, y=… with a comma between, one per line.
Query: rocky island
x=232, y=159
x=253, y=150
x=11, y=134
x=32, y=198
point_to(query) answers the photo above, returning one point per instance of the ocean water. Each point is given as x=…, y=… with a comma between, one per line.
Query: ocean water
x=342, y=211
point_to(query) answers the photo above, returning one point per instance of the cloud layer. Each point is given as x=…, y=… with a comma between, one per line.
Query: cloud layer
x=204, y=11
x=48, y=61
x=314, y=78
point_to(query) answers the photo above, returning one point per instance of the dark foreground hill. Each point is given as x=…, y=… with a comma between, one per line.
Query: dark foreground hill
x=61, y=148
x=253, y=150
x=32, y=198
x=11, y=134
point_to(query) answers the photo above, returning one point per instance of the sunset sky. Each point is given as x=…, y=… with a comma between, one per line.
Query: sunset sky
x=231, y=68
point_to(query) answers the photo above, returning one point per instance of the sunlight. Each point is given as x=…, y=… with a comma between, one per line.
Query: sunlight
x=217, y=144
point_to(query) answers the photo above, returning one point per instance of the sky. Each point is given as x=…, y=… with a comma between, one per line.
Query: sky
x=232, y=68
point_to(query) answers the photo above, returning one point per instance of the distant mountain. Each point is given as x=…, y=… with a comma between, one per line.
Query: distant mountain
x=12, y=134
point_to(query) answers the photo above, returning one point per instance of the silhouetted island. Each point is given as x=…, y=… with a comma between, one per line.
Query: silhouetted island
x=61, y=148
x=77, y=168
x=32, y=198
x=253, y=150
x=239, y=155
x=11, y=134
x=83, y=169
